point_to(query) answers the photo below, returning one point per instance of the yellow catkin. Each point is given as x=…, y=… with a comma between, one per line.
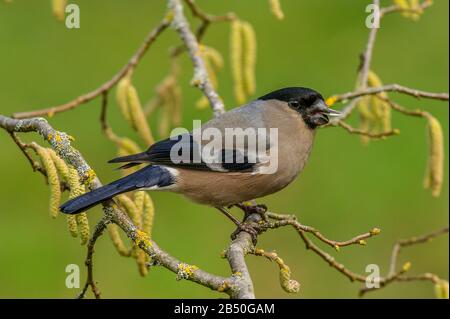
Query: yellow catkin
x=236, y=60
x=380, y=109
x=53, y=180
x=59, y=7
x=164, y=122
x=72, y=225
x=139, y=254
x=203, y=102
x=441, y=289
x=148, y=215
x=214, y=57
x=403, y=4
x=249, y=38
x=288, y=284
x=213, y=64
x=113, y=231
x=130, y=207
x=141, y=260
x=83, y=227
x=435, y=170
x=128, y=145
x=122, y=97
x=365, y=117
x=77, y=189
x=275, y=8
x=61, y=166
x=415, y=5
x=63, y=170
x=137, y=116
x=177, y=103
x=139, y=202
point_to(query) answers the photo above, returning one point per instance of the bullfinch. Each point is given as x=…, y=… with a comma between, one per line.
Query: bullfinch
x=227, y=173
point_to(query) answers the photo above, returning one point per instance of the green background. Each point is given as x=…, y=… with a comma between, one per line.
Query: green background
x=346, y=188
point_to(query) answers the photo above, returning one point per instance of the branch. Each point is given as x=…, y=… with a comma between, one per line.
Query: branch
x=393, y=276
x=409, y=242
x=363, y=73
x=237, y=286
x=201, y=79
x=367, y=55
x=353, y=130
x=388, y=88
x=396, y=8
x=284, y=220
x=129, y=67
x=99, y=229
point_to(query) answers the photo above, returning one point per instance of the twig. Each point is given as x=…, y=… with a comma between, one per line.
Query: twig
x=393, y=276
x=62, y=146
x=132, y=63
x=409, y=242
x=367, y=55
x=99, y=229
x=390, y=88
x=353, y=130
x=363, y=73
x=284, y=220
x=23, y=147
x=200, y=79
x=395, y=8
x=207, y=20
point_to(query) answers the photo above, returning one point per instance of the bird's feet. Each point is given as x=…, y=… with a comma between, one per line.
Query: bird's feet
x=252, y=230
x=253, y=208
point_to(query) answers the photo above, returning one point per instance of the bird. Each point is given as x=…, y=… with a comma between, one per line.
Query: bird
x=234, y=174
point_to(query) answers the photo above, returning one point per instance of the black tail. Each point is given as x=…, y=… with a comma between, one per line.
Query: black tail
x=144, y=178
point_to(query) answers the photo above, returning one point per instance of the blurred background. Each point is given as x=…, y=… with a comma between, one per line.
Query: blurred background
x=346, y=189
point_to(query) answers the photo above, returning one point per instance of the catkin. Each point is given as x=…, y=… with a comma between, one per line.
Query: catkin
x=236, y=60
x=139, y=197
x=128, y=145
x=249, y=38
x=83, y=227
x=53, y=180
x=177, y=110
x=365, y=117
x=141, y=260
x=214, y=57
x=380, y=109
x=288, y=284
x=140, y=255
x=130, y=207
x=275, y=8
x=164, y=122
x=148, y=215
x=404, y=5
x=213, y=64
x=77, y=189
x=60, y=165
x=59, y=7
x=113, y=231
x=137, y=115
x=63, y=171
x=72, y=225
x=122, y=97
x=435, y=168
x=415, y=5
x=203, y=102
x=441, y=289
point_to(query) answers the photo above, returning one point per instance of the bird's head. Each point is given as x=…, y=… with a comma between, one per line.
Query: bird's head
x=307, y=102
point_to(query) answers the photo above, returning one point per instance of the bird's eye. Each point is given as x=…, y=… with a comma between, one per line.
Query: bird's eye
x=294, y=104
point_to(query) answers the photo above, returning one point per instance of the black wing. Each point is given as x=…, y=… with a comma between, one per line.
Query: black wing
x=183, y=151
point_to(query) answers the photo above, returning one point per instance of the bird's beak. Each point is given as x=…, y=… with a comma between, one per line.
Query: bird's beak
x=322, y=107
